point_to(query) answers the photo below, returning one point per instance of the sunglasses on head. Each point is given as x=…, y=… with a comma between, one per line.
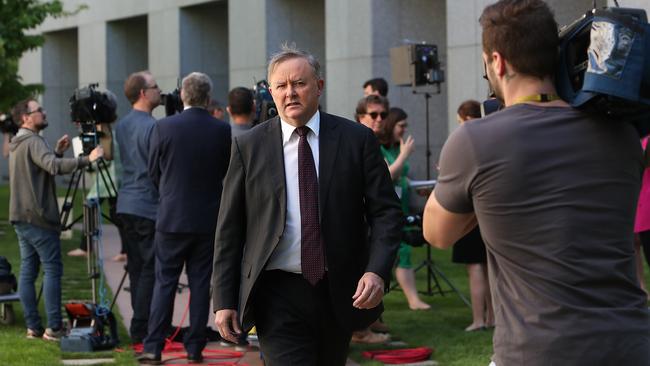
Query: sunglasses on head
x=374, y=115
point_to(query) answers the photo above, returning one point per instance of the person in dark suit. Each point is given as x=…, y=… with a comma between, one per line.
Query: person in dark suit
x=292, y=254
x=188, y=159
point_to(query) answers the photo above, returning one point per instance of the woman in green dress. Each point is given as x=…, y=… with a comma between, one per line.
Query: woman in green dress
x=396, y=149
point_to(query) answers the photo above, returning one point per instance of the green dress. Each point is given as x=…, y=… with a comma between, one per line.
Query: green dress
x=390, y=154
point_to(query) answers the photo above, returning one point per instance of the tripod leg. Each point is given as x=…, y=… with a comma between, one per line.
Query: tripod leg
x=432, y=276
x=119, y=288
x=444, y=278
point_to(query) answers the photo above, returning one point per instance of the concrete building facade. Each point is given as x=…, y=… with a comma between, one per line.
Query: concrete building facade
x=231, y=40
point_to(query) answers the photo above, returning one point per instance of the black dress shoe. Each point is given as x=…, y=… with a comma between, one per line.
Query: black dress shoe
x=194, y=359
x=149, y=359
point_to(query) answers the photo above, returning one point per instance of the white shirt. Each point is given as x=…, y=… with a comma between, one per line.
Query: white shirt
x=286, y=255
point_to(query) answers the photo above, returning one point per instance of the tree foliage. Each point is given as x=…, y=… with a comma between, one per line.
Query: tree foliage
x=17, y=17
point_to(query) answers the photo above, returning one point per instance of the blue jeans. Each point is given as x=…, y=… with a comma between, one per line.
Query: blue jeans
x=39, y=245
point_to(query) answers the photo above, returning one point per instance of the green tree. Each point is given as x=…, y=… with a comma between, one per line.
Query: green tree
x=17, y=17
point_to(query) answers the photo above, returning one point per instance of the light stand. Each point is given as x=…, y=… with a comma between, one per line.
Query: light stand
x=432, y=270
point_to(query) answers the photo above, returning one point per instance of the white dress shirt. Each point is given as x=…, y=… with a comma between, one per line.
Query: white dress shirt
x=286, y=255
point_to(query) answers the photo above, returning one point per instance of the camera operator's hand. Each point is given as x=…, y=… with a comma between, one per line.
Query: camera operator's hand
x=62, y=144
x=227, y=324
x=406, y=146
x=370, y=291
x=97, y=153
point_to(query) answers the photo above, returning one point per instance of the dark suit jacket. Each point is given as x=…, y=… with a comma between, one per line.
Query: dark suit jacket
x=356, y=194
x=188, y=158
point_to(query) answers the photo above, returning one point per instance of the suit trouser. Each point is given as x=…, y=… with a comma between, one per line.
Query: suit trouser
x=172, y=251
x=139, y=235
x=295, y=322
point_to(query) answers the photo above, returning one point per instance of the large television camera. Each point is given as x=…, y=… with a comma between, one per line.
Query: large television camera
x=264, y=105
x=605, y=65
x=91, y=108
x=172, y=101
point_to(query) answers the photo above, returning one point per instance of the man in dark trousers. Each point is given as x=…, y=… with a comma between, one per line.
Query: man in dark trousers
x=137, y=199
x=292, y=254
x=188, y=159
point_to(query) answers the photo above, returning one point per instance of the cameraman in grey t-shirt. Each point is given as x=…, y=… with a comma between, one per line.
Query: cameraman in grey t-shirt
x=554, y=191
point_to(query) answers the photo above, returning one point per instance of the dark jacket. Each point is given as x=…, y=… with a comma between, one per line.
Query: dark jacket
x=355, y=192
x=188, y=158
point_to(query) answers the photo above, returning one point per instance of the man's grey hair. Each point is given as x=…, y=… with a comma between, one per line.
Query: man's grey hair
x=196, y=89
x=288, y=52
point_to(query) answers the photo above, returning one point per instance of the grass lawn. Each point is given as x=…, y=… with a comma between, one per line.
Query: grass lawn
x=441, y=328
x=17, y=350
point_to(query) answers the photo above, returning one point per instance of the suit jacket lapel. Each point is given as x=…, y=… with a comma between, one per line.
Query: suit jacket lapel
x=275, y=153
x=328, y=148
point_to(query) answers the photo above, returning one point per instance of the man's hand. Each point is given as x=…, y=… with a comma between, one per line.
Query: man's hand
x=227, y=324
x=97, y=153
x=62, y=144
x=369, y=292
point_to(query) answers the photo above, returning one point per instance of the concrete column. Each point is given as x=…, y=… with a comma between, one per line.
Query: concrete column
x=349, y=52
x=635, y=4
x=359, y=37
x=164, y=55
x=204, y=44
x=92, y=54
x=126, y=52
x=247, y=42
x=60, y=74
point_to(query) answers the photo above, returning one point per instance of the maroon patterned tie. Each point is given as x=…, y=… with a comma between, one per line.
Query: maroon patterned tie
x=312, y=260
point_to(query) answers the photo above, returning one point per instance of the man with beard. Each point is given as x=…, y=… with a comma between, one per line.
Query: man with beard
x=554, y=191
x=34, y=212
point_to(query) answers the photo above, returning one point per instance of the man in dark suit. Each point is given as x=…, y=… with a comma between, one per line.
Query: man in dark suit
x=292, y=251
x=188, y=159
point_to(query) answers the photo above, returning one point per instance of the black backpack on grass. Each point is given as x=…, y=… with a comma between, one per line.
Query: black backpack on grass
x=7, y=279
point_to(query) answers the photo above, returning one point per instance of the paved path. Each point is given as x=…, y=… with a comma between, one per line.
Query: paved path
x=114, y=272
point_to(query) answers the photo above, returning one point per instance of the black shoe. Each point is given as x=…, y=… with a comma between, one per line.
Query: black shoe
x=195, y=358
x=149, y=359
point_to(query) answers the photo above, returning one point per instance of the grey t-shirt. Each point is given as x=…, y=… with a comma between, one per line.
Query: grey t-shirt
x=554, y=192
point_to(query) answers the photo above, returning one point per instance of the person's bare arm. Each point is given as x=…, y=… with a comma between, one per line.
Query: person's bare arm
x=443, y=228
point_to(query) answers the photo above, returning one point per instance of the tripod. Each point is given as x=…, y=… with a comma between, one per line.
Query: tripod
x=93, y=325
x=90, y=215
x=432, y=270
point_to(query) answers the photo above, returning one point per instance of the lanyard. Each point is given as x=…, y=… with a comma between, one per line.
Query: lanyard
x=541, y=98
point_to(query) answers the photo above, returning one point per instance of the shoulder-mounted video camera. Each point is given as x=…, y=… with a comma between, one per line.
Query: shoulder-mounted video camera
x=605, y=65
x=264, y=105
